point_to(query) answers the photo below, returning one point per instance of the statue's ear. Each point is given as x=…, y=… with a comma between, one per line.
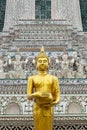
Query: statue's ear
x=49, y=61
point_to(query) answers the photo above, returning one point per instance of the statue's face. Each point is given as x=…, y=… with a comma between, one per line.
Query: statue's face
x=42, y=64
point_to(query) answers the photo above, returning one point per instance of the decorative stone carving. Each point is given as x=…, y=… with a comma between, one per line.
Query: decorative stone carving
x=63, y=64
x=2, y=74
x=13, y=108
x=80, y=69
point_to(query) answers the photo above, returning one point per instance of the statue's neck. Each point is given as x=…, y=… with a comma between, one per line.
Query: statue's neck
x=42, y=72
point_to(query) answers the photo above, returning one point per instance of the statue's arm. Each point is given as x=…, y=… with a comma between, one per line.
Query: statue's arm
x=30, y=88
x=55, y=91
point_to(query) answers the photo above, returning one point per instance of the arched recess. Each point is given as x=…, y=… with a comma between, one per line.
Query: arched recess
x=13, y=108
x=74, y=107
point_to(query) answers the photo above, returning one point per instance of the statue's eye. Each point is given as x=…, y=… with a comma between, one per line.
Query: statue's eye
x=45, y=61
x=40, y=61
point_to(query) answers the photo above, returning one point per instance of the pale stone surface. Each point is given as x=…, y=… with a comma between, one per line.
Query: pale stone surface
x=54, y=10
x=10, y=14
x=68, y=10
x=77, y=21
x=16, y=10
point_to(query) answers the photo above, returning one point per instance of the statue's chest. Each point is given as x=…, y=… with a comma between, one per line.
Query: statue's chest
x=43, y=83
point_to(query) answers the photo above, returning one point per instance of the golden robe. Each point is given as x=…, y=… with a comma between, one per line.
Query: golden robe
x=43, y=115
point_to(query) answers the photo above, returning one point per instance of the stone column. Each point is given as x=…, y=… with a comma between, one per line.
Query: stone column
x=54, y=9
x=32, y=9
x=68, y=10
x=18, y=9
x=77, y=21
x=9, y=14
x=28, y=9
x=62, y=10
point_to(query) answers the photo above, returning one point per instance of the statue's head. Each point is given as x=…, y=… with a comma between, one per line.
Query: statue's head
x=42, y=60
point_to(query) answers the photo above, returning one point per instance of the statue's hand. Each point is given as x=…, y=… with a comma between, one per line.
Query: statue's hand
x=46, y=105
x=30, y=97
x=49, y=104
x=54, y=103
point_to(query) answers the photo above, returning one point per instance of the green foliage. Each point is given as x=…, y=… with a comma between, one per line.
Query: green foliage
x=43, y=9
x=83, y=6
x=2, y=13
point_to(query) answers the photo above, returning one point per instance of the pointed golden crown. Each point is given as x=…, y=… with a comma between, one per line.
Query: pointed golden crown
x=42, y=54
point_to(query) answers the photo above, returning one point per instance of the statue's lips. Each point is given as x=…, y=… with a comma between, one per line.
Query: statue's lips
x=42, y=65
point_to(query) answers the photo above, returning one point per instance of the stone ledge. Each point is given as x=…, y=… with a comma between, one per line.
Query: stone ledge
x=63, y=81
x=28, y=120
x=67, y=86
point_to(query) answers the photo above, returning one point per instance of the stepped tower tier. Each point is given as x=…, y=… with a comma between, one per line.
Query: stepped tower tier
x=68, y=10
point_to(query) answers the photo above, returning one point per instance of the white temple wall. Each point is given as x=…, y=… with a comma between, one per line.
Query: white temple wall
x=10, y=14
x=18, y=9
x=60, y=10
x=77, y=21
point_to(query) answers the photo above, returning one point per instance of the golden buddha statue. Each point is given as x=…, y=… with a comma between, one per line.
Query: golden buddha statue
x=44, y=89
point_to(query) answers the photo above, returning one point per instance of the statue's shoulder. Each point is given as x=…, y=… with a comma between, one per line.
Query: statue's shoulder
x=53, y=77
x=32, y=77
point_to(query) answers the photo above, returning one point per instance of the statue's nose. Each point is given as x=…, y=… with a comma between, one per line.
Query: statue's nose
x=42, y=63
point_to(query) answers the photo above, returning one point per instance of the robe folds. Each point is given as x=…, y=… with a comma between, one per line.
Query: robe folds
x=43, y=115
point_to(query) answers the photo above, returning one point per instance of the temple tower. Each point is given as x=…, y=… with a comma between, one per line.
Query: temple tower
x=68, y=10
x=56, y=25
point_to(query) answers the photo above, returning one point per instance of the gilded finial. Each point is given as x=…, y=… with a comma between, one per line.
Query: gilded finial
x=42, y=49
